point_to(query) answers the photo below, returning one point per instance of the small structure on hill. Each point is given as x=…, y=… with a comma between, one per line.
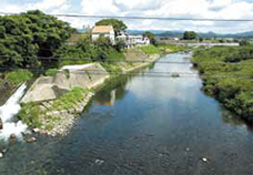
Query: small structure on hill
x=105, y=31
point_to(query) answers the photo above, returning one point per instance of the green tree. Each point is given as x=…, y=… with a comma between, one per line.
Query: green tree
x=244, y=42
x=190, y=35
x=120, y=45
x=27, y=37
x=102, y=46
x=151, y=37
x=117, y=24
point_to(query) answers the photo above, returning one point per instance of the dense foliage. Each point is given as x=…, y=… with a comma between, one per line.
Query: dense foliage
x=228, y=75
x=151, y=37
x=26, y=38
x=85, y=51
x=15, y=78
x=190, y=35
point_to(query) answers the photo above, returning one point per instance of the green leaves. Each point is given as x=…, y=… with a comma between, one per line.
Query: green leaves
x=17, y=77
x=26, y=37
x=190, y=35
x=117, y=24
x=232, y=84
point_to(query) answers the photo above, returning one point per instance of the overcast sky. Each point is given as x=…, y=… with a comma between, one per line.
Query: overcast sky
x=218, y=9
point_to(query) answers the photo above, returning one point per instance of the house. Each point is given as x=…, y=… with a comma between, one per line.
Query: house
x=106, y=31
x=133, y=40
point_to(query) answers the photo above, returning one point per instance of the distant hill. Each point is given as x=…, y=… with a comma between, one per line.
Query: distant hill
x=236, y=35
x=179, y=34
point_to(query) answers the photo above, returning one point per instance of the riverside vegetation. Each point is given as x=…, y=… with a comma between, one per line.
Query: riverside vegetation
x=34, y=44
x=228, y=75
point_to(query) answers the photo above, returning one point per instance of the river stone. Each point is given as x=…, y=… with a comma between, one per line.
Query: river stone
x=99, y=162
x=71, y=111
x=36, y=130
x=204, y=159
x=13, y=138
x=31, y=140
x=25, y=133
x=43, y=108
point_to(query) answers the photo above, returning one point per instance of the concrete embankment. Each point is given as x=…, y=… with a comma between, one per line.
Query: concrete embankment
x=50, y=88
x=46, y=90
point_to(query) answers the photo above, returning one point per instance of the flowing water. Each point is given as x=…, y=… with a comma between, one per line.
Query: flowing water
x=7, y=114
x=144, y=125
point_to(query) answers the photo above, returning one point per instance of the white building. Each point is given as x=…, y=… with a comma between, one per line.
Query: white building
x=134, y=40
x=106, y=31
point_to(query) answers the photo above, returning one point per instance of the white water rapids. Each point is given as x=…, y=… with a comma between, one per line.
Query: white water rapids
x=8, y=111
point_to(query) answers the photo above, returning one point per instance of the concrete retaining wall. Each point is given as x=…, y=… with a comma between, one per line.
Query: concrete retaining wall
x=49, y=88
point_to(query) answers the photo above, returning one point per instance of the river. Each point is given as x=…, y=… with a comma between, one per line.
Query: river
x=144, y=125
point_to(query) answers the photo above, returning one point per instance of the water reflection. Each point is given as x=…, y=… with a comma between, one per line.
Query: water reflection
x=235, y=120
x=114, y=90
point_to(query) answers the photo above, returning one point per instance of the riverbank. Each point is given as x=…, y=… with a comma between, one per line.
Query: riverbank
x=143, y=125
x=53, y=114
x=227, y=75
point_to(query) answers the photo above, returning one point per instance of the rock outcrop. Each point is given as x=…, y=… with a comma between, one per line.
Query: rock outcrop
x=51, y=87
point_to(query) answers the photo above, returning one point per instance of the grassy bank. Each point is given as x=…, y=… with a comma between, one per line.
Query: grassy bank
x=168, y=48
x=38, y=115
x=228, y=76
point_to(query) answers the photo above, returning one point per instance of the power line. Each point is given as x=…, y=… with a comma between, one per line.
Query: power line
x=142, y=74
x=138, y=17
x=133, y=61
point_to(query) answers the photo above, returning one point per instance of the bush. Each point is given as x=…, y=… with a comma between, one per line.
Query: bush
x=231, y=84
x=30, y=114
x=17, y=77
x=51, y=72
x=69, y=99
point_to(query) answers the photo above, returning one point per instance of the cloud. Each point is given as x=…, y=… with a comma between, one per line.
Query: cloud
x=48, y=4
x=218, y=9
x=44, y=5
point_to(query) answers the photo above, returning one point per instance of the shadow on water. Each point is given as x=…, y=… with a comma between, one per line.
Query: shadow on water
x=115, y=89
x=235, y=120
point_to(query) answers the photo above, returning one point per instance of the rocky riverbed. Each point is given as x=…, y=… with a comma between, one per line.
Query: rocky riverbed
x=59, y=122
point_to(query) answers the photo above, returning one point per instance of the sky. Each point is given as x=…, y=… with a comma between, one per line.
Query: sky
x=217, y=9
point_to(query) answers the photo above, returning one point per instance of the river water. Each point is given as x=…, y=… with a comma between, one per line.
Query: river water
x=144, y=125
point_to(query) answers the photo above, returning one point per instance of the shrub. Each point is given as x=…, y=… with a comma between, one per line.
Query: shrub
x=69, y=99
x=30, y=114
x=51, y=72
x=231, y=84
x=17, y=77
